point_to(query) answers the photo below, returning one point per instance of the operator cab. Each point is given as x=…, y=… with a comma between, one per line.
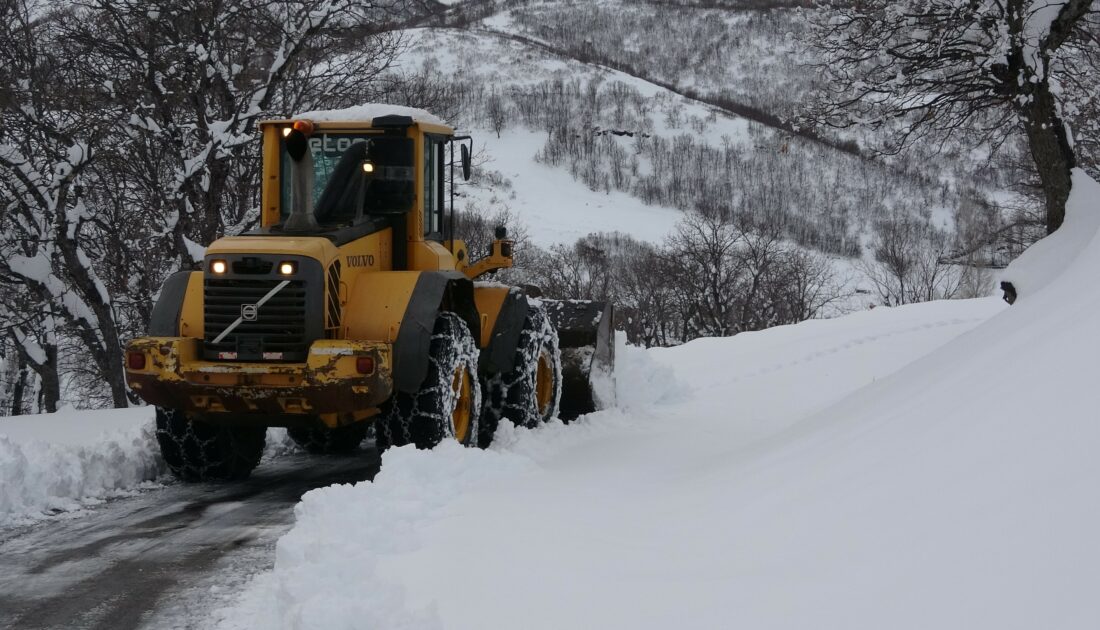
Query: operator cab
x=336, y=176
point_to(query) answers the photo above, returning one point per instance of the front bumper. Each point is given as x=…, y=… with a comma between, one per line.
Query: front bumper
x=328, y=384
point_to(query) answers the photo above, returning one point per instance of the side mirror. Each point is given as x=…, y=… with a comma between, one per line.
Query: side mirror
x=465, y=162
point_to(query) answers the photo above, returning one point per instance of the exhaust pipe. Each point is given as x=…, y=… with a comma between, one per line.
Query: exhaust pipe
x=301, y=217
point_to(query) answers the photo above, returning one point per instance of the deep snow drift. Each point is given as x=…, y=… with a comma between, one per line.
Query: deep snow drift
x=890, y=469
x=64, y=461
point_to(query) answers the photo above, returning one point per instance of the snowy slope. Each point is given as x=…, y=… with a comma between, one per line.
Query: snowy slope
x=553, y=206
x=925, y=467
x=830, y=199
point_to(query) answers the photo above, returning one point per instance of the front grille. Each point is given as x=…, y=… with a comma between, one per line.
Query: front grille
x=279, y=332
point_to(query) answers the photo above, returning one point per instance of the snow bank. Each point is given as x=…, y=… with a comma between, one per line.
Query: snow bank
x=1046, y=260
x=370, y=111
x=64, y=461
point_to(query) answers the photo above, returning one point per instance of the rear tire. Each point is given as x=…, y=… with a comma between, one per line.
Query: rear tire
x=200, y=451
x=528, y=395
x=448, y=403
x=319, y=440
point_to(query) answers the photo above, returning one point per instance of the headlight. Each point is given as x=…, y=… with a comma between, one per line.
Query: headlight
x=218, y=266
x=287, y=268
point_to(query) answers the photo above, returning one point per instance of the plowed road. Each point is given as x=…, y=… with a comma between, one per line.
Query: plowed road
x=156, y=560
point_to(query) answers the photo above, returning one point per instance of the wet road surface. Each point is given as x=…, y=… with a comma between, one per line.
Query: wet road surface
x=124, y=563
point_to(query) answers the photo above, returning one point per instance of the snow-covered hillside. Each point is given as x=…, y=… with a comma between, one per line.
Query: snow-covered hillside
x=546, y=125
x=929, y=466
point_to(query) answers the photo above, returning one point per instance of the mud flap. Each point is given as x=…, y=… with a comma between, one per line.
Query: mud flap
x=587, y=342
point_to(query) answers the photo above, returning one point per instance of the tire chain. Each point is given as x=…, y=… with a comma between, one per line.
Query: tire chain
x=513, y=395
x=226, y=452
x=424, y=418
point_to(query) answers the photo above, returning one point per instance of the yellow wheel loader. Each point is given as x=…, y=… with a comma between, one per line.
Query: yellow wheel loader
x=356, y=305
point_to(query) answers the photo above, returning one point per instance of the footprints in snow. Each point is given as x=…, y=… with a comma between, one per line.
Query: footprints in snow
x=853, y=344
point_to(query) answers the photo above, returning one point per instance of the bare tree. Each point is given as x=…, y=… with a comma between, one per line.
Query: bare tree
x=48, y=142
x=702, y=256
x=127, y=138
x=496, y=112
x=197, y=76
x=715, y=276
x=989, y=67
x=909, y=263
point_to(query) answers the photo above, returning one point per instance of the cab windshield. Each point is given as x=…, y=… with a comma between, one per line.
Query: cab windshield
x=385, y=190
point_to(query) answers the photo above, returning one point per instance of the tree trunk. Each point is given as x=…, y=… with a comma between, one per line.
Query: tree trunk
x=1050, y=150
x=104, y=342
x=50, y=381
x=49, y=393
x=19, y=387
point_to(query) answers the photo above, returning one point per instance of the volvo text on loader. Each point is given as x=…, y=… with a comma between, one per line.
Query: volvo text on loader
x=355, y=304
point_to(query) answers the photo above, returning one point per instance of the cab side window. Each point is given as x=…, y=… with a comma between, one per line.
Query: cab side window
x=433, y=187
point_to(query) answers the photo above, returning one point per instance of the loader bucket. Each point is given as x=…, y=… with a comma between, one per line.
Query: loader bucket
x=587, y=343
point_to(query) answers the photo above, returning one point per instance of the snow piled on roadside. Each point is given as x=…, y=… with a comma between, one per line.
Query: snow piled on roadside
x=312, y=591
x=343, y=532
x=70, y=460
x=1046, y=260
x=74, y=459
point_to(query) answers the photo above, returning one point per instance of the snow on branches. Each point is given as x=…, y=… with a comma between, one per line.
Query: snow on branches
x=931, y=68
x=128, y=141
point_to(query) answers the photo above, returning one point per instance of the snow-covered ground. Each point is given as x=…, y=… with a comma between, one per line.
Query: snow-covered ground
x=65, y=461
x=930, y=466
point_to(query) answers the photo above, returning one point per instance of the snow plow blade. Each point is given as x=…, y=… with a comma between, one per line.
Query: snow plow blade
x=587, y=342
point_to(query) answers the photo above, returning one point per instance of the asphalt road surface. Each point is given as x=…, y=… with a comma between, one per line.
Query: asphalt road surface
x=147, y=561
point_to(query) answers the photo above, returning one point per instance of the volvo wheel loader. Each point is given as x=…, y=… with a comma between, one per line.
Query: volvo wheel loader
x=356, y=304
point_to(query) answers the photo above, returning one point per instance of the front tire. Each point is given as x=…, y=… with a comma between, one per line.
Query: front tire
x=448, y=403
x=529, y=393
x=200, y=451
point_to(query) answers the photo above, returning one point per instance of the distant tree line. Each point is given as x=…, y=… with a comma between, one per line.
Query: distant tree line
x=714, y=276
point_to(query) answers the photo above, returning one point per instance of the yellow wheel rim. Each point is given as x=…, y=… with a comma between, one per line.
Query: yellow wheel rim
x=544, y=383
x=460, y=417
